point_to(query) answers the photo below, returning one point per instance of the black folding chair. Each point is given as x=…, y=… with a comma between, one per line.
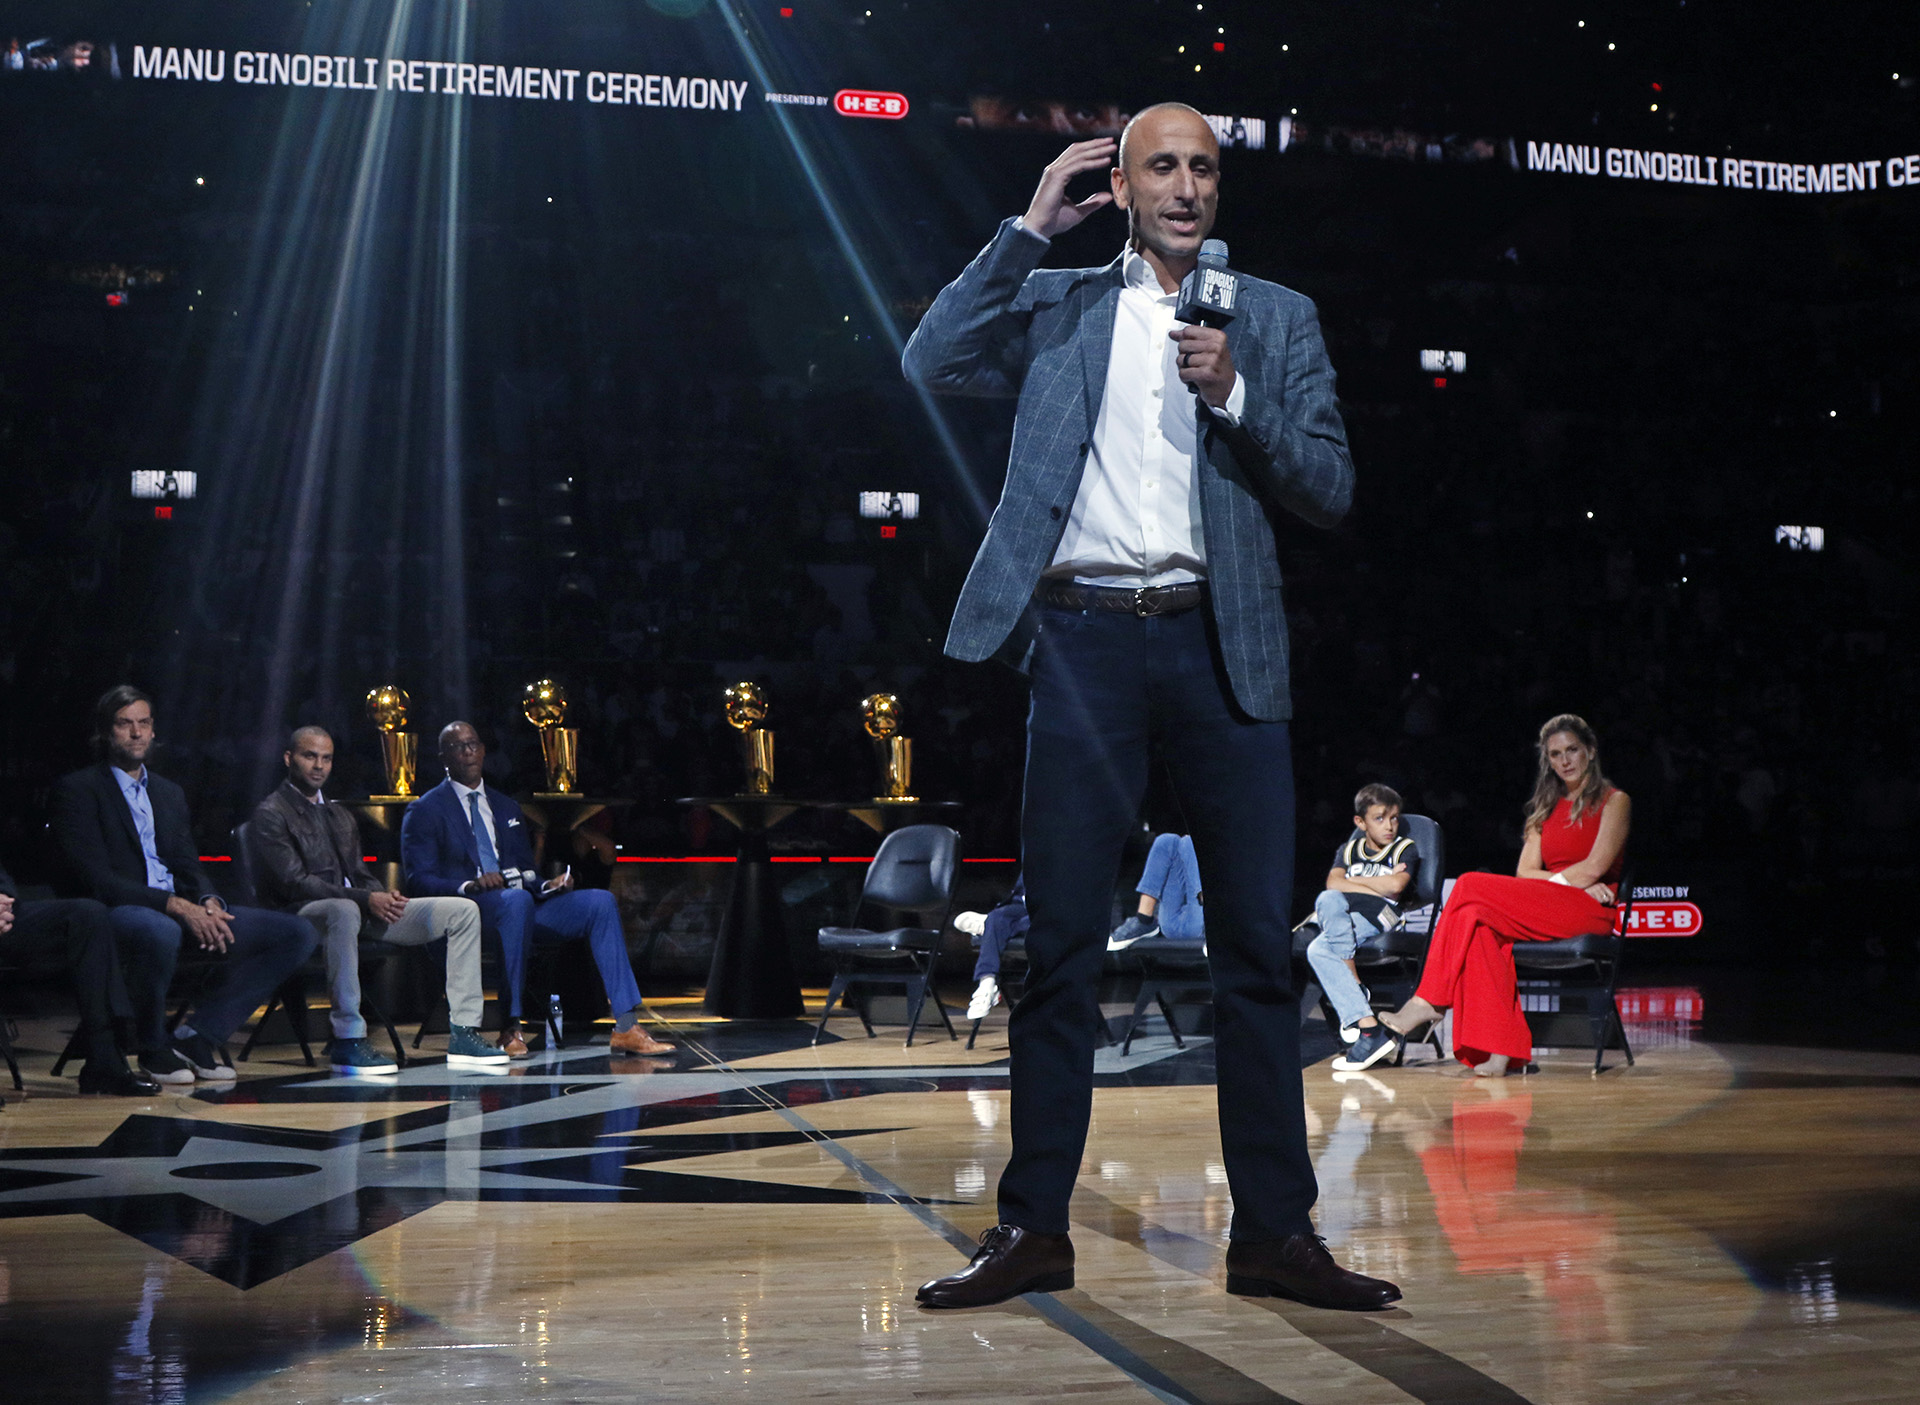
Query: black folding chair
x=912, y=874
x=193, y=972
x=10, y=1032
x=1587, y=970
x=7, y=1034
x=1169, y=970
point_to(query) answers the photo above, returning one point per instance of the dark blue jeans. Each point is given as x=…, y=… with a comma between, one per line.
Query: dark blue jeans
x=267, y=948
x=1004, y=923
x=1107, y=690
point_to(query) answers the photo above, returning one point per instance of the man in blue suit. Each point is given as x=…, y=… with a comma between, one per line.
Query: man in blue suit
x=1131, y=568
x=465, y=839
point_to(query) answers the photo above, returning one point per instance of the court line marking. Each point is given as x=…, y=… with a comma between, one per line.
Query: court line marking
x=1103, y=1344
x=1422, y=1371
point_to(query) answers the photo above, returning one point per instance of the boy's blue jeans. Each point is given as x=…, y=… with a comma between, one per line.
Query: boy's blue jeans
x=1341, y=932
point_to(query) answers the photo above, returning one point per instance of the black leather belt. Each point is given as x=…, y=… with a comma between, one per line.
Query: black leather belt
x=1150, y=600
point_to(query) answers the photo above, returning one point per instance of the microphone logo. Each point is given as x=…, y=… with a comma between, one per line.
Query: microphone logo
x=1217, y=288
x=1208, y=293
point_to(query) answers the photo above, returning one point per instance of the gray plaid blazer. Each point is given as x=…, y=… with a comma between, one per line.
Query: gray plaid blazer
x=1005, y=328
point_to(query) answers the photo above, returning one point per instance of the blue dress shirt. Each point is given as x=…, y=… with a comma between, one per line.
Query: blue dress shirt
x=134, y=788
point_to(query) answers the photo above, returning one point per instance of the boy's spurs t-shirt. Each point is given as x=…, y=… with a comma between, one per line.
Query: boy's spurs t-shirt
x=1357, y=860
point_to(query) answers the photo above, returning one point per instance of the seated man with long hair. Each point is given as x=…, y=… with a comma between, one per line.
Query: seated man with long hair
x=1576, y=843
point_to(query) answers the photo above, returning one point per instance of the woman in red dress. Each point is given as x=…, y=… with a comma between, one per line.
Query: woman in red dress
x=1576, y=843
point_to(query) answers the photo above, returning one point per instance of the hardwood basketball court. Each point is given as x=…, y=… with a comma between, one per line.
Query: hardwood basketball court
x=749, y=1222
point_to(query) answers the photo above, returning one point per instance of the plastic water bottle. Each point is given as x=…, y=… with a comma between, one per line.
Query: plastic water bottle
x=554, y=1019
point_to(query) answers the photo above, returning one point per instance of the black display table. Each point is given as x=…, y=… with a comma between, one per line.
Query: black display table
x=752, y=977
x=883, y=817
x=568, y=811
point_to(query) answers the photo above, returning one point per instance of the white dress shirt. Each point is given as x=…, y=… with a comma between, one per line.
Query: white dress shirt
x=1136, y=519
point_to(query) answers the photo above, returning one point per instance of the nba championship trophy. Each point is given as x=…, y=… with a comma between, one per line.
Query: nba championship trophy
x=545, y=705
x=400, y=750
x=881, y=715
x=746, y=710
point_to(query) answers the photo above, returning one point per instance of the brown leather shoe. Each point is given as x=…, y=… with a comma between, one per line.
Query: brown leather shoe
x=637, y=1041
x=1299, y=1267
x=1011, y=1261
x=513, y=1043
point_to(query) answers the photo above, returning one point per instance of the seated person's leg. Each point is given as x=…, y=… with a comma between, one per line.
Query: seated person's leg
x=1162, y=860
x=1002, y=925
x=457, y=920
x=76, y=933
x=338, y=921
x=149, y=943
x=509, y=911
x=267, y=948
x=1331, y=956
x=1182, y=918
x=592, y=913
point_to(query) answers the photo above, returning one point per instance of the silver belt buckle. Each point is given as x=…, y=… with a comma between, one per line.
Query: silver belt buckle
x=1144, y=604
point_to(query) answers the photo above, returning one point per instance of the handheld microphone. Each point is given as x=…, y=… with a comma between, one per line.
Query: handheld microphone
x=1208, y=294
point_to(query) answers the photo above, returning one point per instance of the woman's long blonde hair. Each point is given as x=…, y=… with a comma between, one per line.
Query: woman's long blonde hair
x=1547, y=789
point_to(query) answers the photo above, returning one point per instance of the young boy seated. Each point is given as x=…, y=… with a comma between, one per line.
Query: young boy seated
x=1371, y=871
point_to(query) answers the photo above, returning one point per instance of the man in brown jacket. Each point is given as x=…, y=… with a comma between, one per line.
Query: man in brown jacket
x=307, y=857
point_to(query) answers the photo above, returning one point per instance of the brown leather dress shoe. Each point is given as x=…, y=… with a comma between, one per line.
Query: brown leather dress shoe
x=514, y=1043
x=1011, y=1261
x=637, y=1041
x=1299, y=1267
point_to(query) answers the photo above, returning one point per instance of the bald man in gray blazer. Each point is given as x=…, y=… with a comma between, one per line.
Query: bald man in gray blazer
x=1131, y=567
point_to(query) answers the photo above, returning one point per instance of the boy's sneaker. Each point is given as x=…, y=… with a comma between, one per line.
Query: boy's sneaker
x=972, y=924
x=164, y=1066
x=1370, y=1048
x=1135, y=928
x=353, y=1057
x=465, y=1048
x=199, y=1054
x=985, y=996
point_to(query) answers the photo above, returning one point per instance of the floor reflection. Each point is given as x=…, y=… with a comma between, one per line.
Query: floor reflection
x=1493, y=1225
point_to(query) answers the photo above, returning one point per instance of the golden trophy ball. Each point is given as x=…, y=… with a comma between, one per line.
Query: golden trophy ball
x=881, y=715
x=746, y=710
x=399, y=749
x=545, y=704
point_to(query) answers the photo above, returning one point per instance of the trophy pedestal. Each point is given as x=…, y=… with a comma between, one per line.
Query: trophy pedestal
x=883, y=815
x=556, y=814
x=752, y=976
x=380, y=817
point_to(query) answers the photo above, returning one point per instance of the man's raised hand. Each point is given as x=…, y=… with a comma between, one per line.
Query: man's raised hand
x=1051, y=212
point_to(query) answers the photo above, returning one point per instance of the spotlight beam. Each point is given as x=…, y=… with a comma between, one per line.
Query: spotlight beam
x=856, y=262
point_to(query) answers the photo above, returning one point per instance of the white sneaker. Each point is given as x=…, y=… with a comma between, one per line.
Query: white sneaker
x=985, y=996
x=974, y=924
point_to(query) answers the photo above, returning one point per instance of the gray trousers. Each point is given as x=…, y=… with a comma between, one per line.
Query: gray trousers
x=425, y=920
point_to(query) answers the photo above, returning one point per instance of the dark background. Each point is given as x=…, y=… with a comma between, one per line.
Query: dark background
x=489, y=390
